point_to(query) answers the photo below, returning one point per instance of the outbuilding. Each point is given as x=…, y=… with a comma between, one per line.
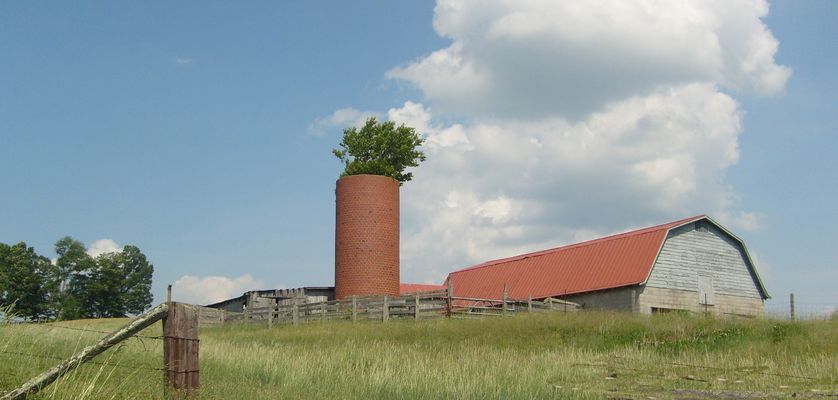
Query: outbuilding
x=691, y=265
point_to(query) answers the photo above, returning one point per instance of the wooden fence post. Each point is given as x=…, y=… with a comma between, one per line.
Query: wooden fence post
x=41, y=381
x=529, y=304
x=449, y=304
x=416, y=307
x=271, y=316
x=505, y=296
x=295, y=313
x=354, y=309
x=791, y=307
x=180, y=350
x=385, y=310
x=169, y=294
x=322, y=311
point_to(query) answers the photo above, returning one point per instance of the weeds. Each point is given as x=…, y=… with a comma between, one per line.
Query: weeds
x=580, y=355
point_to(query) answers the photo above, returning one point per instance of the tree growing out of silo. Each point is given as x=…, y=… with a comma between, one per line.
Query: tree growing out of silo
x=380, y=148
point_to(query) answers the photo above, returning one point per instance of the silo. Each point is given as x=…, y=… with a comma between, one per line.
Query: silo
x=366, y=236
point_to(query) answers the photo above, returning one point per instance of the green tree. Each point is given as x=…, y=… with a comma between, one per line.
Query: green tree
x=26, y=280
x=110, y=285
x=120, y=284
x=74, y=270
x=103, y=295
x=380, y=149
x=138, y=273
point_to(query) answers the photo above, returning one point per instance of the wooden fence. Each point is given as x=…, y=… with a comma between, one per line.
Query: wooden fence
x=180, y=352
x=383, y=308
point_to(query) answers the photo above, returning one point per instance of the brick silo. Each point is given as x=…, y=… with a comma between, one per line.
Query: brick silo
x=366, y=236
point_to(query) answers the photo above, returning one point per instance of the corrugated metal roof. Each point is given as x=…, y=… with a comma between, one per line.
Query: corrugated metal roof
x=613, y=261
x=410, y=288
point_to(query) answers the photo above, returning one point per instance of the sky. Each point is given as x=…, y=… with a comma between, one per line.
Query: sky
x=202, y=132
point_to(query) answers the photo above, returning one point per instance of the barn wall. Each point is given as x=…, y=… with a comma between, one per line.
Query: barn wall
x=620, y=299
x=232, y=305
x=689, y=253
x=673, y=299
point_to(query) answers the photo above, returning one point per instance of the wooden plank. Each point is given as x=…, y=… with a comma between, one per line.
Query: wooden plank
x=41, y=381
x=180, y=350
x=416, y=307
x=450, y=294
x=505, y=297
x=354, y=309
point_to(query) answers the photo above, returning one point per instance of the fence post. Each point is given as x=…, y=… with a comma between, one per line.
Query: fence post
x=180, y=350
x=385, y=310
x=322, y=311
x=505, y=296
x=416, y=306
x=169, y=294
x=529, y=304
x=271, y=315
x=791, y=307
x=43, y=380
x=295, y=313
x=354, y=309
x=450, y=300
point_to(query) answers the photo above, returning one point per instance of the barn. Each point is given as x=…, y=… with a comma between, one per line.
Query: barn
x=694, y=265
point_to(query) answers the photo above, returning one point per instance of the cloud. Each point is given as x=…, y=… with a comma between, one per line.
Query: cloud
x=184, y=60
x=503, y=187
x=746, y=221
x=340, y=119
x=538, y=58
x=212, y=289
x=552, y=122
x=103, y=246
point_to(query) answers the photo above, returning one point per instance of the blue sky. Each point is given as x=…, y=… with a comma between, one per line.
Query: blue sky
x=201, y=132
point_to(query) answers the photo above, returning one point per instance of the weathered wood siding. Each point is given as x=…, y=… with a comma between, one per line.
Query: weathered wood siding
x=619, y=299
x=673, y=299
x=701, y=249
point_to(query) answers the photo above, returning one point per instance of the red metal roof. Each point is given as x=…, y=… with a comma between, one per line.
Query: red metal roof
x=410, y=288
x=613, y=261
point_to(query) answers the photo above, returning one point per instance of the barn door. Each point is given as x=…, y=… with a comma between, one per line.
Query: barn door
x=706, y=295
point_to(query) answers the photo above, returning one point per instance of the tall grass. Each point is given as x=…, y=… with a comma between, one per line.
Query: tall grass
x=578, y=355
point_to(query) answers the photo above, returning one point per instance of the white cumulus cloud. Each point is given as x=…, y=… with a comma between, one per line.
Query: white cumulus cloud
x=518, y=185
x=340, y=119
x=550, y=122
x=103, y=246
x=212, y=289
x=535, y=58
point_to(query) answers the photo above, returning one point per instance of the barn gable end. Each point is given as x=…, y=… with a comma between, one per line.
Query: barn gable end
x=702, y=256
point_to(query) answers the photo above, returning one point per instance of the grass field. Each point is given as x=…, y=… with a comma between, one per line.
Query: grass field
x=577, y=355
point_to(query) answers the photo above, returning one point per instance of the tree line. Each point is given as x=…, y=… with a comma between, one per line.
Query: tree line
x=76, y=285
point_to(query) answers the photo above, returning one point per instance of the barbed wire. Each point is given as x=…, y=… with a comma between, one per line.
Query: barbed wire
x=132, y=366
x=50, y=325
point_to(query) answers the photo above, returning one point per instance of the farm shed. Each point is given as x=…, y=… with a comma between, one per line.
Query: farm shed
x=265, y=298
x=309, y=294
x=693, y=264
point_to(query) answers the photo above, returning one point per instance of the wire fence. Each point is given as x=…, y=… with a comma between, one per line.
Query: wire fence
x=105, y=363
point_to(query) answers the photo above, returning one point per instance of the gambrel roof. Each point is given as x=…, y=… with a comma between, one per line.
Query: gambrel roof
x=610, y=262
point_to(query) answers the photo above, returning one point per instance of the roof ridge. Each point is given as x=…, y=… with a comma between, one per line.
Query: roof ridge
x=654, y=228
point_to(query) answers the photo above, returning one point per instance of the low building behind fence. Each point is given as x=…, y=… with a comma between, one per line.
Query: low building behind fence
x=381, y=308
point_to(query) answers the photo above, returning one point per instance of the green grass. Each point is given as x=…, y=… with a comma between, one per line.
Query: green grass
x=578, y=355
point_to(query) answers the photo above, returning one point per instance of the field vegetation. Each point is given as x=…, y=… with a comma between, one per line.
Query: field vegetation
x=576, y=355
